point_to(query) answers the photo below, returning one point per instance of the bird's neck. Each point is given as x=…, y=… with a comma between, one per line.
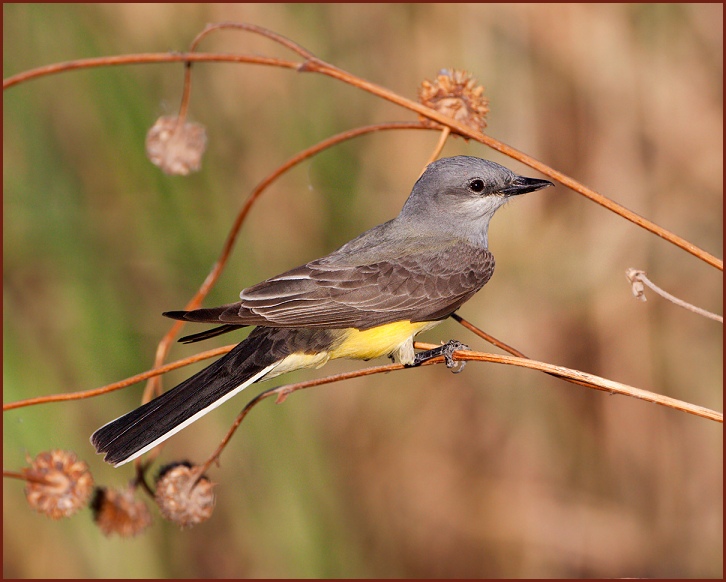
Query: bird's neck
x=473, y=233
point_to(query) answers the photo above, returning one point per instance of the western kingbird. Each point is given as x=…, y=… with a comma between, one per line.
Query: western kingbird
x=367, y=299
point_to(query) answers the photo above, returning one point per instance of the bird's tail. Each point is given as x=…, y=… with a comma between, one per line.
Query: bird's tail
x=140, y=430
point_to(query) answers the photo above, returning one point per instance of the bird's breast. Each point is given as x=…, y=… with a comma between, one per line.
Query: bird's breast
x=379, y=341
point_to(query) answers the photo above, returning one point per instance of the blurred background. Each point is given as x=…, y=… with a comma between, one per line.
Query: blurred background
x=496, y=472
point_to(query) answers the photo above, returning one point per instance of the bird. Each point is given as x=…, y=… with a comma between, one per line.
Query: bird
x=367, y=299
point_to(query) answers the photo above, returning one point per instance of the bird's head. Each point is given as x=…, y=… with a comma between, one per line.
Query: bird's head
x=459, y=195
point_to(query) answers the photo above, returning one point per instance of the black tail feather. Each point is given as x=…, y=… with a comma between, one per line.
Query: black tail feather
x=203, y=335
x=136, y=432
x=204, y=314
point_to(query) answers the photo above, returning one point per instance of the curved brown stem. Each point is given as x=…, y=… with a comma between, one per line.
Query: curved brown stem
x=574, y=376
x=313, y=64
x=218, y=267
x=319, y=66
x=118, y=385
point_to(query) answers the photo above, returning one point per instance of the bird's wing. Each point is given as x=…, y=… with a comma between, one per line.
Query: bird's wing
x=420, y=286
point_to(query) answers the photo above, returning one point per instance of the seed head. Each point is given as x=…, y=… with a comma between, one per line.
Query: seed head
x=117, y=511
x=180, y=498
x=176, y=147
x=455, y=93
x=58, y=483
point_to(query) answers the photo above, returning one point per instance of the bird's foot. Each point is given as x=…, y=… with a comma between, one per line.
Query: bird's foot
x=447, y=350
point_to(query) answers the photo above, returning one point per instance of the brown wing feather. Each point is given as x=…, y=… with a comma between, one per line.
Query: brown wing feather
x=420, y=286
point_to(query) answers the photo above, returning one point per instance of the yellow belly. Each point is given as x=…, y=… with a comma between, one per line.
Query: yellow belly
x=386, y=340
x=378, y=341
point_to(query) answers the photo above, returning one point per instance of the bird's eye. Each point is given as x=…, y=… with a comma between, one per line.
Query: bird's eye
x=476, y=185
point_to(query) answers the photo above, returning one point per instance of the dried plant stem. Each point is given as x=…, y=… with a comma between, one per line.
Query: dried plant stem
x=118, y=385
x=485, y=336
x=14, y=475
x=186, y=95
x=635, y=276
x=590, y=379
x=210, y=28
x=445, y=133
x=25, y=477
x=278, y=38
x=575, y=376
x=28, y=477
x=144, y=59
x=316, y=65
x=265, y=183
x=141, y=467
x=507, y=348
x=313, y=64
x=282, y=392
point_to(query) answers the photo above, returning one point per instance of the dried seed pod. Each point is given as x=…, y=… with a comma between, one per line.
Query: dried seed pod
x=181, y=498
x=117, y=511
x=456, y=94
x=177, y=148
x=58, y=483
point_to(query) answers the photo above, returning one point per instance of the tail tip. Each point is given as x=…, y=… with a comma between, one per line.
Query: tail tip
x=180, y=315
x=104, y=446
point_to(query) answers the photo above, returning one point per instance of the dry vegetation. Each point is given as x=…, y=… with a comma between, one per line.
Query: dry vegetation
x=496, y=472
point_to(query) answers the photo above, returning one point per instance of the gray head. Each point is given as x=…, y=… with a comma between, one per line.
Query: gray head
x=459, y=195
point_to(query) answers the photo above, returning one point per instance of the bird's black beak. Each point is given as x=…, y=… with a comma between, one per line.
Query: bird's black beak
x=522, y=185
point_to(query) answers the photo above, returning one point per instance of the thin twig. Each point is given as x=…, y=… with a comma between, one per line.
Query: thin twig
x=14, y=475
x=144, y=59
x=282, y=392
x=576, y=376
x=278, y=38
x=445, y=133
x=313, y=64
x=595, y=381
x=484, y=335
x=507, y=348
x=118, y=385
x=20, y=476
x=636, y=276
x=141, y=469
x=319, y=66
x=186, y=95
x=210, y=28
x=28, y=477
x=165, y=344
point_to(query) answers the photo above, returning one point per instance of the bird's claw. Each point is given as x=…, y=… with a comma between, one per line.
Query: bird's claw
x=447, y=350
